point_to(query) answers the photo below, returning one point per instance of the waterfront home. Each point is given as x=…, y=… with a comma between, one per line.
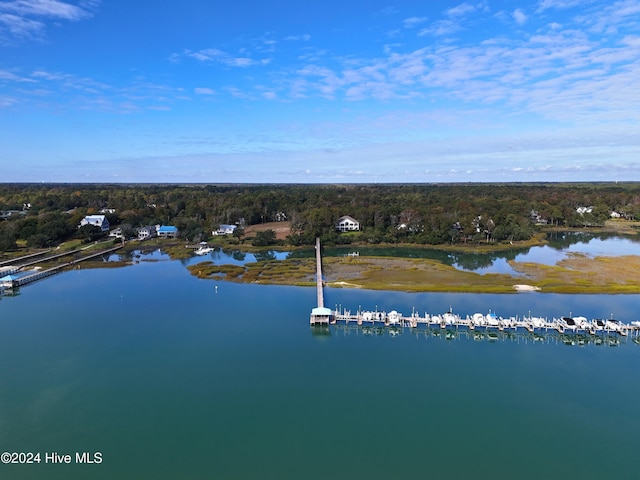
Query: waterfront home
x=116, y=233
x=347, y=224
x=97, y=221
x=225, y=230
x=167, y=231
x=146, y=232
x=583, y=210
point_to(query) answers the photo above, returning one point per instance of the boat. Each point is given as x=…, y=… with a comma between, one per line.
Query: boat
x=574, y=325
x=393, y=317
x=203, y=249
x=613, y=325
x=598, y=326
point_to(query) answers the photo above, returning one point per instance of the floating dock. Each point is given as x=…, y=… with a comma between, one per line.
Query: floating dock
x=490, y=322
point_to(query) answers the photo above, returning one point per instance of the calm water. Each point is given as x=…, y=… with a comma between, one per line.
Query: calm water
x=168, y=379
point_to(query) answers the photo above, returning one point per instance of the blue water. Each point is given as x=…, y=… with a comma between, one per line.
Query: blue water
x=168, y=378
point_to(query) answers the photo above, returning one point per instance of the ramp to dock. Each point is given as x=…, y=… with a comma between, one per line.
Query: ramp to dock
x=319, y=274
x=320, y=314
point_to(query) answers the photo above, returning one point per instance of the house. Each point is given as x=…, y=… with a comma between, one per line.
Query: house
x=5, y=214
x=116, y=233
x=146, y=232
x=107, y=210
x=347, y=224
x=583, y=210
x=225, y=230
x=167, y=231
x=537, y=218
x=97, y=221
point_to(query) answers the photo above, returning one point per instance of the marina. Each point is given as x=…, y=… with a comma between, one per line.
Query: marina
x=483, y=323
x=476, y=322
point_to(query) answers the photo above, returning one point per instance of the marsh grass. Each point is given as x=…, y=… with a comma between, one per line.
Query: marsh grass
x=576, y=274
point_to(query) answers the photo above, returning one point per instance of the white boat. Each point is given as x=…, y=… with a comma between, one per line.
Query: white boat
x=598, y=325
x=203, y=249
x=394, y=317
x=492, y=320
x=613, y=325
x=577, y=325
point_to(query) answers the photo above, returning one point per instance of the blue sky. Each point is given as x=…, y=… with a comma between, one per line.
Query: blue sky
x=308, y=92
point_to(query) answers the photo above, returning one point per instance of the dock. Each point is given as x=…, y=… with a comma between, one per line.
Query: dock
x=17, y=282
x=320, y=315
x=486, y=323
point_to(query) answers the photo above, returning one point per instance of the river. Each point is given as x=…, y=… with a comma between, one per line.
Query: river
x=169, y=376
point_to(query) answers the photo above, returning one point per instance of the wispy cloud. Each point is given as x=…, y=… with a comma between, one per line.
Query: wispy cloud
x=204, y=91
x=52, y=90
x=412, y=22
x=219, y=56
x=561, y=4
x=27, y=19
x=304, y=38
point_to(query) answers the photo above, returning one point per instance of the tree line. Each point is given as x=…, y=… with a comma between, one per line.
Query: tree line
x=405, y=213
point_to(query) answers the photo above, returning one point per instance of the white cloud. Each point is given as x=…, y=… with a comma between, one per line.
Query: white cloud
x=519, y=16
x=25, y=19
x=47, y=8
x=204, y=91
x=461, y=10
x=303, y=38
x=413, y=21
x=441, y=28
x=219, y=56
x=19, y=27
x=561, y=4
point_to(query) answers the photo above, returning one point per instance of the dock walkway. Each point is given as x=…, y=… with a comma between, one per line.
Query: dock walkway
x=21, y=281
x=320, y=315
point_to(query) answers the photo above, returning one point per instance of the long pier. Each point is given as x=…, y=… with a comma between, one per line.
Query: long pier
x=11, y=261
x=319, y=275
x=21, y=281
x=320, y=315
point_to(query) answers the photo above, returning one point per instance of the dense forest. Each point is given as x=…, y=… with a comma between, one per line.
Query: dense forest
x=44, y=215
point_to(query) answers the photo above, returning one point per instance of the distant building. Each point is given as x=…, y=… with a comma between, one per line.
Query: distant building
x=225, y=230
x=167, y=231
x=347, y=224
x=107, y=210
x=537, y=218
x=146, y=232
x=6, y=214
x=97, y=221
x=583, y=210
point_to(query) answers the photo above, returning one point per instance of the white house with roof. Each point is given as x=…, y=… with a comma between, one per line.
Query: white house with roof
x=146, y=232
x=347, y=224
x=97, y=221
x=225, y=230
x=583, y=210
